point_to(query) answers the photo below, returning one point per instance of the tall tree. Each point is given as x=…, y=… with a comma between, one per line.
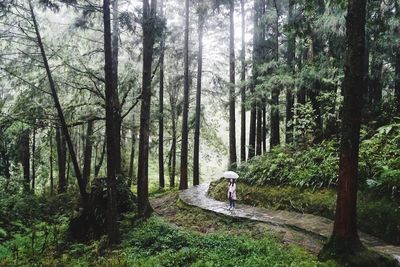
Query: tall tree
x=275, y=131
x=111, y=99
x=232, y=86
x=256, y=50
x=64, y=127
x=61, y=160
x=397, y=60
x=24, y=157
x=291, y=50
x=161, y=109
x=183, y=183
x=148, y=26
x=344, y=239
x=87, y=155
x=118, y=117
x=201, y=10
x=243, y=86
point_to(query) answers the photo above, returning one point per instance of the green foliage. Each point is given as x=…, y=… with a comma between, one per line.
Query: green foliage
x=150, y=243
x=317, y=166
x=157, y=242
x=313, y=167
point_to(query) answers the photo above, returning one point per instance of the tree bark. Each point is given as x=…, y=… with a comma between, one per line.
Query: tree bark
x=33, y=179
x=100, y=163
x=345, y=238
x=24, y=157
x=161, y=110
x=87, y=158
x=232, y=86
x=149, y=15
x=253, y=113
x=62, y=160
x=111, y=117
x=57, y=104
x=275, y=118
x=243, y=87
x=131, y=174
x=259, y=129
x=51, y=162
x=196, y=148
x=291, y=51
x=115, y=53
x=183, y=183
x=397, y=64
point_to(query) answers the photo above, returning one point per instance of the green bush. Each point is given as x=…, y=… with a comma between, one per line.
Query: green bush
x=317, y=167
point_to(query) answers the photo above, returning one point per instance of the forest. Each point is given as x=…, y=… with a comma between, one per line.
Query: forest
x=129, y=129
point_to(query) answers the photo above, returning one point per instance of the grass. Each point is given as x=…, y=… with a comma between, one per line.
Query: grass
x=176, y=235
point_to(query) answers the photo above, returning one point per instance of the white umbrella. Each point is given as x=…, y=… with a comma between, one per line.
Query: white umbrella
x=230, y=175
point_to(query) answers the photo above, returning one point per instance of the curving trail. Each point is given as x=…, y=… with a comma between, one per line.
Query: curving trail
x=313, y=225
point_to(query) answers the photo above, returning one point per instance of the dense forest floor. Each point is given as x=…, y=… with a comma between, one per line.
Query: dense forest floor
x=176, y=235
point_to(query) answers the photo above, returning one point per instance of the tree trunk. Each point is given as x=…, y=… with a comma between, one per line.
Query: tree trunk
x=345, y=237
x=275, y=131
x=264, y=127
x=253, y=113
x=87, y=158
x=111, y=117
x=100, y=163
x=114, y=53
x=149, y=15
x=131, y=175
x=24, y=157
x=196, y=148
x=243, y=87
x=291, y=50
x=397, y=64
x=232, y=86
x=183, y=183
x=61, y=159
x=259, y=130
x=33, y=159
x=57, y=104
x=51, y=162
x=161, y=110
x=172, y=153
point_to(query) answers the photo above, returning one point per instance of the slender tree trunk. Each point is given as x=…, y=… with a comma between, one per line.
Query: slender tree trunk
x=87, y=158
x=149, y=15
x=259, y=129
x=232, y=86
x=111, y=117
x=275, y=118
x=33, y=159
x=256, y=52
x=100, y=163
x=62, y=160
x=172, y=154
x=51, y=161
x=115, y=52
x=264, y=127
x=24, y=156
x=291, y=50
x=183, y=183
x=243, y=87
x=345, y=237
x=161, y=110
x=196, y=149
x=131, y=174
x=57, y=104
x=397, y=64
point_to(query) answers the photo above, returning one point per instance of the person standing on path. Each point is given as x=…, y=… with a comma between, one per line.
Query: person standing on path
x=232, y=193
